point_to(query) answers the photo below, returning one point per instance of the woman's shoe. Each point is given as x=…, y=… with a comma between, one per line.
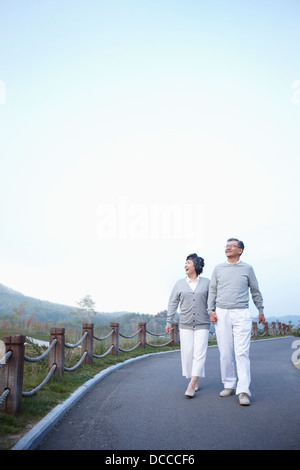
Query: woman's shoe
x=190, y=393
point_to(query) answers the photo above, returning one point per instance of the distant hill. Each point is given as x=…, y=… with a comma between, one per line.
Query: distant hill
x=14, y=305
x=13, y=302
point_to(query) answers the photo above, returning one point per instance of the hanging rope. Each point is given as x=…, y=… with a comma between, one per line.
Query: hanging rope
x=71, y=346
x=4, y=396
x=29, y=394
x=39, y=358
x=5, y=358
x=70, y=369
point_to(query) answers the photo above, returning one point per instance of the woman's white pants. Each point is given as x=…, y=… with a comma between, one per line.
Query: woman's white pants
x=193, y=352
x=233, y=331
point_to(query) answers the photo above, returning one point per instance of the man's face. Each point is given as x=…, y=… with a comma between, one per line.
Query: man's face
x=232, y=249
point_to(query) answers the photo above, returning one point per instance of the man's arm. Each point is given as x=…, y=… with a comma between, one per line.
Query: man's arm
x=256, y=295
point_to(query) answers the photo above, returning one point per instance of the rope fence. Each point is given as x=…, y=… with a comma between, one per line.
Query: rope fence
x=12, y=364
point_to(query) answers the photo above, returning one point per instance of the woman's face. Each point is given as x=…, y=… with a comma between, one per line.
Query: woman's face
x=189, y=267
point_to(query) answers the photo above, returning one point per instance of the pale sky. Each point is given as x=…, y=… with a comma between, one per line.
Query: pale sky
x=134, y=133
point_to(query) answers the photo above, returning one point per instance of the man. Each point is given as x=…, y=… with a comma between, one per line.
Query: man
x=228, y=302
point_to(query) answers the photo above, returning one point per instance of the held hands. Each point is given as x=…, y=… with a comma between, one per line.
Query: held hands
x=213, y=317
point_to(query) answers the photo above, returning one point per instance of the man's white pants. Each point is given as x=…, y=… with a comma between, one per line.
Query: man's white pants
x=233, y=330
x=193, y=345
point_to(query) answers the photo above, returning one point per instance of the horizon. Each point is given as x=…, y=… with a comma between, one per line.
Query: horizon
x=124, y=312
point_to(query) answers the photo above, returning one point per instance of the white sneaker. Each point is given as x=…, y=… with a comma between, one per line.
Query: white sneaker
x=227, y=392
x=244, y=399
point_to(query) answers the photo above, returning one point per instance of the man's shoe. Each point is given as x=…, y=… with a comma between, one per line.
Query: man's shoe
x=244, y=399
x=227, y=392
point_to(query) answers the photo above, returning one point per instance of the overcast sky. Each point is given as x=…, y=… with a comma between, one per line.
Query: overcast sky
x=136, y=132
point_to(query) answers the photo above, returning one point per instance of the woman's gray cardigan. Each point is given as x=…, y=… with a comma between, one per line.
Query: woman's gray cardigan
x=193, y=305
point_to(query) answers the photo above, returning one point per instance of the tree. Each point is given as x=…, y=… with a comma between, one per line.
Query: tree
x=20, y=313
x=85, y=308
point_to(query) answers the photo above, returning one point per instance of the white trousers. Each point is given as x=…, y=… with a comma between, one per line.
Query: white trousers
x=233, y=331
x=193, y=352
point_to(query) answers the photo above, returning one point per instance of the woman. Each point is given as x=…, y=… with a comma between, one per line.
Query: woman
x=191, y=293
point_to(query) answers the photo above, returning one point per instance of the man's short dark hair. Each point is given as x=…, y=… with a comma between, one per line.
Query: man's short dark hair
x=240, y=243
x=198, y=262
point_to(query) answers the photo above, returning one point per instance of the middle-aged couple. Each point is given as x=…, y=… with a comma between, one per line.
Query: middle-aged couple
x=224, y=301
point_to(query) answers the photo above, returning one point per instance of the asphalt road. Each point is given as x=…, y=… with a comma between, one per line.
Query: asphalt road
x=142, y=407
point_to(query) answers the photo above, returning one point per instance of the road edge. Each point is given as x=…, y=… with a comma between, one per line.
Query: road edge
x=31, y=440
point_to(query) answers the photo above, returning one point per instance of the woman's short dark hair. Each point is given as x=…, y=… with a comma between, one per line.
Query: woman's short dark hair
x=239, y=242
x=198, y=262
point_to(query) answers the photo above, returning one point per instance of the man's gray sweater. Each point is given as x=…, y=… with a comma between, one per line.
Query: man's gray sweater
x=229, y=287
x=193, y=305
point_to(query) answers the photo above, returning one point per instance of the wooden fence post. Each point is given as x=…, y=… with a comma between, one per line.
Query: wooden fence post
x=273, y=328
x=114, y=339
x=87, y=344
x=279, y=328
x=57, y=354
x=142, y=335
x=254, y=328
x=11, y=375
x=266, y=329
x=174, y=334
